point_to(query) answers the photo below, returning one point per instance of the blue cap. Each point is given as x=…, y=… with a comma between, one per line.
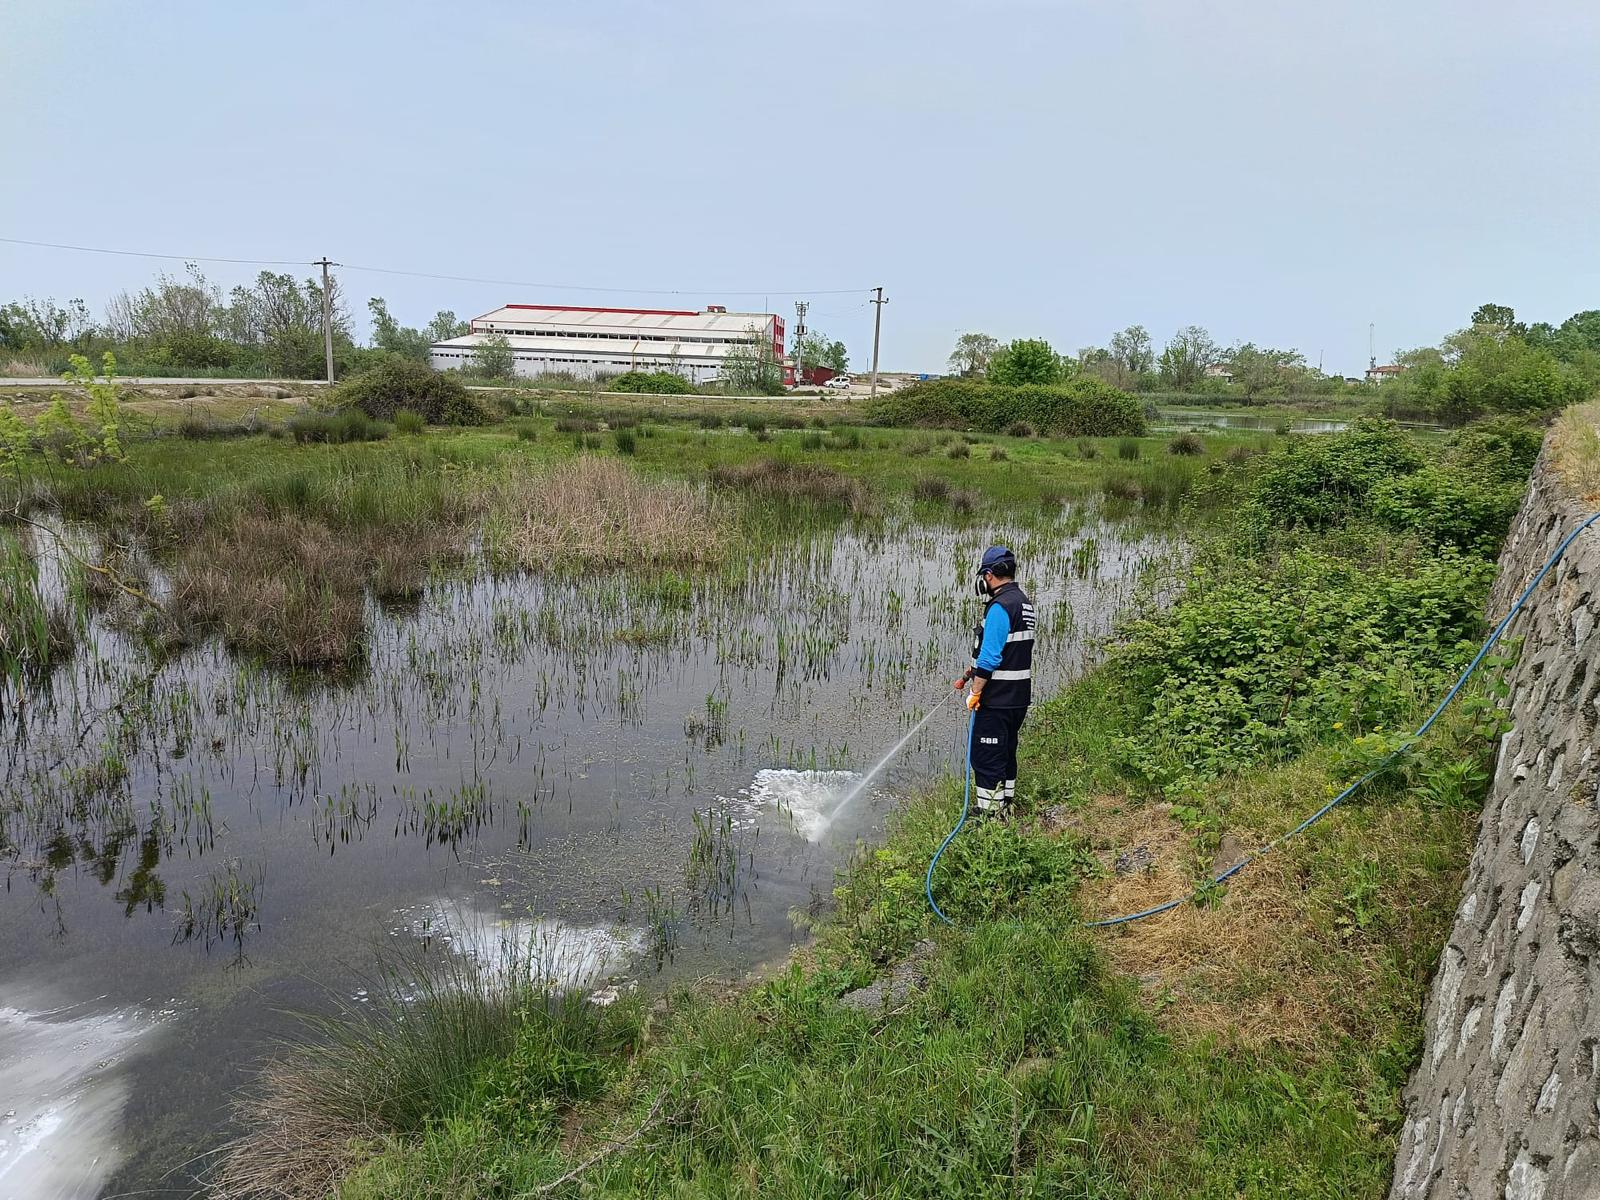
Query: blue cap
x=994, y=556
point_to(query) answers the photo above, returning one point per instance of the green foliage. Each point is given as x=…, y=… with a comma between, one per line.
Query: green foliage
x=494, y=358
x=338, y=428
x=1025, y=361
x=1502, y=373
x=393, y=338
x=1261, y=372
x=627, y=441
x=15, y=439
x=972, y=353
x=396, y=383
x=663, y=383
x=1079, y=408
x=1261, y=658
x=1185, y=358
x=1322, y=480
x=408, y=422
x=751, y=368
x=1448, y=506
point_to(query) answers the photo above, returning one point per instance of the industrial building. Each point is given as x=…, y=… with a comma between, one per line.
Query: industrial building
x=548, y=338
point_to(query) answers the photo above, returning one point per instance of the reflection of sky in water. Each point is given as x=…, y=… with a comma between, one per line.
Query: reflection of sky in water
x=528, y=747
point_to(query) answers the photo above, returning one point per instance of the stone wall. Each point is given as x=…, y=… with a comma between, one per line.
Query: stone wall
x=1506, y=1100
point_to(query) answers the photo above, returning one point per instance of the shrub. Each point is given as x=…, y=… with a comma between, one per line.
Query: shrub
x=577, y=425
x=811, y=441
x=1502, y=448
x=1088, y=450
x=407, y=421
x=795, y=481
x=1448, y=507
x=931, y=487
x=1084, y=407
x=1324, y=479
x=1186, y=445
x=661, y=383
x=1128, y=449
x=1021, y=429
x=1261, y=659
x=1121, y=486
x=959, y=450
x=627, y=441
x=395, y=383
x=346, y=425
x=998, y=454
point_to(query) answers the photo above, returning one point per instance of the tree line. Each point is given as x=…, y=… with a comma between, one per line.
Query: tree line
x=1495, y=364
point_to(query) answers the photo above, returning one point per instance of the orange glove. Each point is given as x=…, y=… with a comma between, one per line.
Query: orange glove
x=972, y=701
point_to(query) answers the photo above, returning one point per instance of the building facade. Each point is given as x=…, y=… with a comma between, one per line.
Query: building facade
x=586, y=342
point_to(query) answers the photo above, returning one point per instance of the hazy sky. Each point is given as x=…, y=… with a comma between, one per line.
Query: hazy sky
x=1280, y=171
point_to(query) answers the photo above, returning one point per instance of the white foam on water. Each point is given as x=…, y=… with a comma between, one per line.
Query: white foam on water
x=61, y=1099
x=556, y=953
x=808, y=798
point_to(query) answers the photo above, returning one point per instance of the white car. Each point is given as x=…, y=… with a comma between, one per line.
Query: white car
x=839, y=383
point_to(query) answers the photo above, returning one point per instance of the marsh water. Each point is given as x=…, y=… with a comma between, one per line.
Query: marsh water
x=194, y=848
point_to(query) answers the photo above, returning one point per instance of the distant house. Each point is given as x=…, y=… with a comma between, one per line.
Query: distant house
x=1377, y=374
x=1220, y=371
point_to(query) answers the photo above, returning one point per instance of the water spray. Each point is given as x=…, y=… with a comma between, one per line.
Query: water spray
x=883, y=762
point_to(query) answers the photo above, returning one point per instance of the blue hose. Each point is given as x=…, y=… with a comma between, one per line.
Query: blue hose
x=1327, y=808
x=966, y=802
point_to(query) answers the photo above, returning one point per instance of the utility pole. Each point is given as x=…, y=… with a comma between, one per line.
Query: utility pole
x=800, y=307
x=877, y=331
x=327, y=313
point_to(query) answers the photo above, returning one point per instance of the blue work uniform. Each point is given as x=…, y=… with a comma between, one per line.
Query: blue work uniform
x=1002, y=655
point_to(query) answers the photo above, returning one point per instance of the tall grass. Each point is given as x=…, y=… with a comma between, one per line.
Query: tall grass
x=596, y=512
x=434, y=1027
x=35, y=632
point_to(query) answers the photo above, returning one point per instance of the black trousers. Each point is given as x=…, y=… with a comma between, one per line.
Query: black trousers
x=994, y=757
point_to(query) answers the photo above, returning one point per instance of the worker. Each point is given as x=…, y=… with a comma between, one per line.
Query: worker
x=1001, y=676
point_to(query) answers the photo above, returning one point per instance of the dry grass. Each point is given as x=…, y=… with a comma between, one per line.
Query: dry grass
x=293, y=589
x=25, y=368
x=295, y=1148
x=597, y=512
x=1290, y=955
x=1575, y=449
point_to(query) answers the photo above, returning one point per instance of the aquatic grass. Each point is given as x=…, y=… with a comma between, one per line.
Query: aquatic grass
x=429, y=1036
x=795, y=481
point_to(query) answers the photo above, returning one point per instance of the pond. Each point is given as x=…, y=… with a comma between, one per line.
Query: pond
x=1176, y=420
x=196, y=846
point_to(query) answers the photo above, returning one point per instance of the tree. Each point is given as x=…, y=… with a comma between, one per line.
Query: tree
x=444, y=326
x=175, y=324
x=1502, y=373
x=1260, y=371
x=1498, y=317
x=972, y=353
x=29, y=325
x=282, y=319
x=821, y=351
x=494, y=358
x=388, y=334
x=1025, y=360
x=1185, y=358
x=1131, y=351
x=750, y=366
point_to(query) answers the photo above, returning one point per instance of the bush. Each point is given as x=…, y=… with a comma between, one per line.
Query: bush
x=1084, y=407
x=1503, y=448
x=577, y=425
x=1449, y=507
x=959, y=450
x=627, y=441
x=347, y=425
x=998, y=454
x=795, y=482
x=1021, y=429
x=1088, y=450
x=395, y=383
x=1324, y=479
x=1128, y=449
x=1270, y=654
x=407, y=421
x=932, y=488
x=1186, y=445
x=661, y=383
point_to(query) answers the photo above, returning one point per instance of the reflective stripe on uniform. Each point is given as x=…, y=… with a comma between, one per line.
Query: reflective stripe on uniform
x=1025, y=636
x=1026, y=674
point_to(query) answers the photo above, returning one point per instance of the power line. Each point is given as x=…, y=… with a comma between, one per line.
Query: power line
x=575, y=287
x=248, y=262
x=521, y=283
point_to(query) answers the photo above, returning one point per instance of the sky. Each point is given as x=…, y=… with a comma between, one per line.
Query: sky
x=1278, y=171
